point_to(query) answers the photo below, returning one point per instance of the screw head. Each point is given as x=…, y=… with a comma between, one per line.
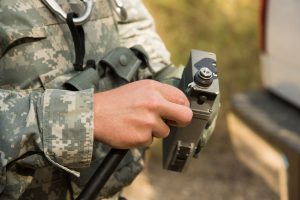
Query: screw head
x=205, y=73
x=123, y=60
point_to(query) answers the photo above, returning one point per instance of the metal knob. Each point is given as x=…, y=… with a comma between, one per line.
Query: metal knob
x=204, y=77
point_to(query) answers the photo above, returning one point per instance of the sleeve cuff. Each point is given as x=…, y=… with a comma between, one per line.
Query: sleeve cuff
x=67, y=128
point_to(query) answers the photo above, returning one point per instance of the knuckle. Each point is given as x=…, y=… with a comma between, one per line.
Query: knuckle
x=181, y=100
x=150, y=84
x=152, y=102
x=144, y=140
x=150, y=122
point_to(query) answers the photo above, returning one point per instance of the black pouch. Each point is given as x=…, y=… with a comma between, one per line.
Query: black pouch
x=121, y=66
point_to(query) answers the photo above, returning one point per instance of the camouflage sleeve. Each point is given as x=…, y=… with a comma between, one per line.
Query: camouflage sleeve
x=55, y=123
x=139, y=28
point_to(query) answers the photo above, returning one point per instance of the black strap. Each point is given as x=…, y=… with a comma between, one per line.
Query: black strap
x=78, y=39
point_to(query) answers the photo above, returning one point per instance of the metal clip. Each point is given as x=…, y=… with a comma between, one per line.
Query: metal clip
x=122, y=13
x=56, y=9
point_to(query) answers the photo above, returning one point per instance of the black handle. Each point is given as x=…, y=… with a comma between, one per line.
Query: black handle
x=102, y=174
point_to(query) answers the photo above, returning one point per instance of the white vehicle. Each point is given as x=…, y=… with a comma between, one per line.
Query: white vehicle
x=265, y=125
x=281, y=48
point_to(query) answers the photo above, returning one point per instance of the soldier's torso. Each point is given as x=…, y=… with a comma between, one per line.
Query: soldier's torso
x=36, y=48
x=37, y=52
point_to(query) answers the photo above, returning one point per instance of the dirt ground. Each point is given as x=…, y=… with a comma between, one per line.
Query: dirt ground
x=216, y=175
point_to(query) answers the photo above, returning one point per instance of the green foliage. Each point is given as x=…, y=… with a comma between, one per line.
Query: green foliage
x=227, y=28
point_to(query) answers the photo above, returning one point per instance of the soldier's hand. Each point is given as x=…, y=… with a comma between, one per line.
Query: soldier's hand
x=131, y=115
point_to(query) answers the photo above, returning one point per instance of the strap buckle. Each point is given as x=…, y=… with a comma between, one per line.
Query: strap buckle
x=56, y=9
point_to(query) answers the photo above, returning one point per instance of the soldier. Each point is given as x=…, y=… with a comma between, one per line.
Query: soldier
x=52, y=138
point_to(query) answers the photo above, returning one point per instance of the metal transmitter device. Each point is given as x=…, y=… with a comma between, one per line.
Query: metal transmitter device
x=200, y=84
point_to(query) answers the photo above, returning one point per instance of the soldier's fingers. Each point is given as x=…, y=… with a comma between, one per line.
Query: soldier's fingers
x=180, y=115
x=161, y=130
x=173, y=94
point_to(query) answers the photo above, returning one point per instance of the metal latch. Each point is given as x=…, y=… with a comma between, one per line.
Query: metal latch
x=121, y=12
x=56, y=9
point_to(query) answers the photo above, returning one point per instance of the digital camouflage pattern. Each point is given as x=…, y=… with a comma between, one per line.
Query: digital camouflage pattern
x=47, y=132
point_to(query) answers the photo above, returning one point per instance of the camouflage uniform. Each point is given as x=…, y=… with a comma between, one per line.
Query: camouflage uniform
x=47, y=132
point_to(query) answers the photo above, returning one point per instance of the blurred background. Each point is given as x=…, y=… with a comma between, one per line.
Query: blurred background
x=229, y=29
